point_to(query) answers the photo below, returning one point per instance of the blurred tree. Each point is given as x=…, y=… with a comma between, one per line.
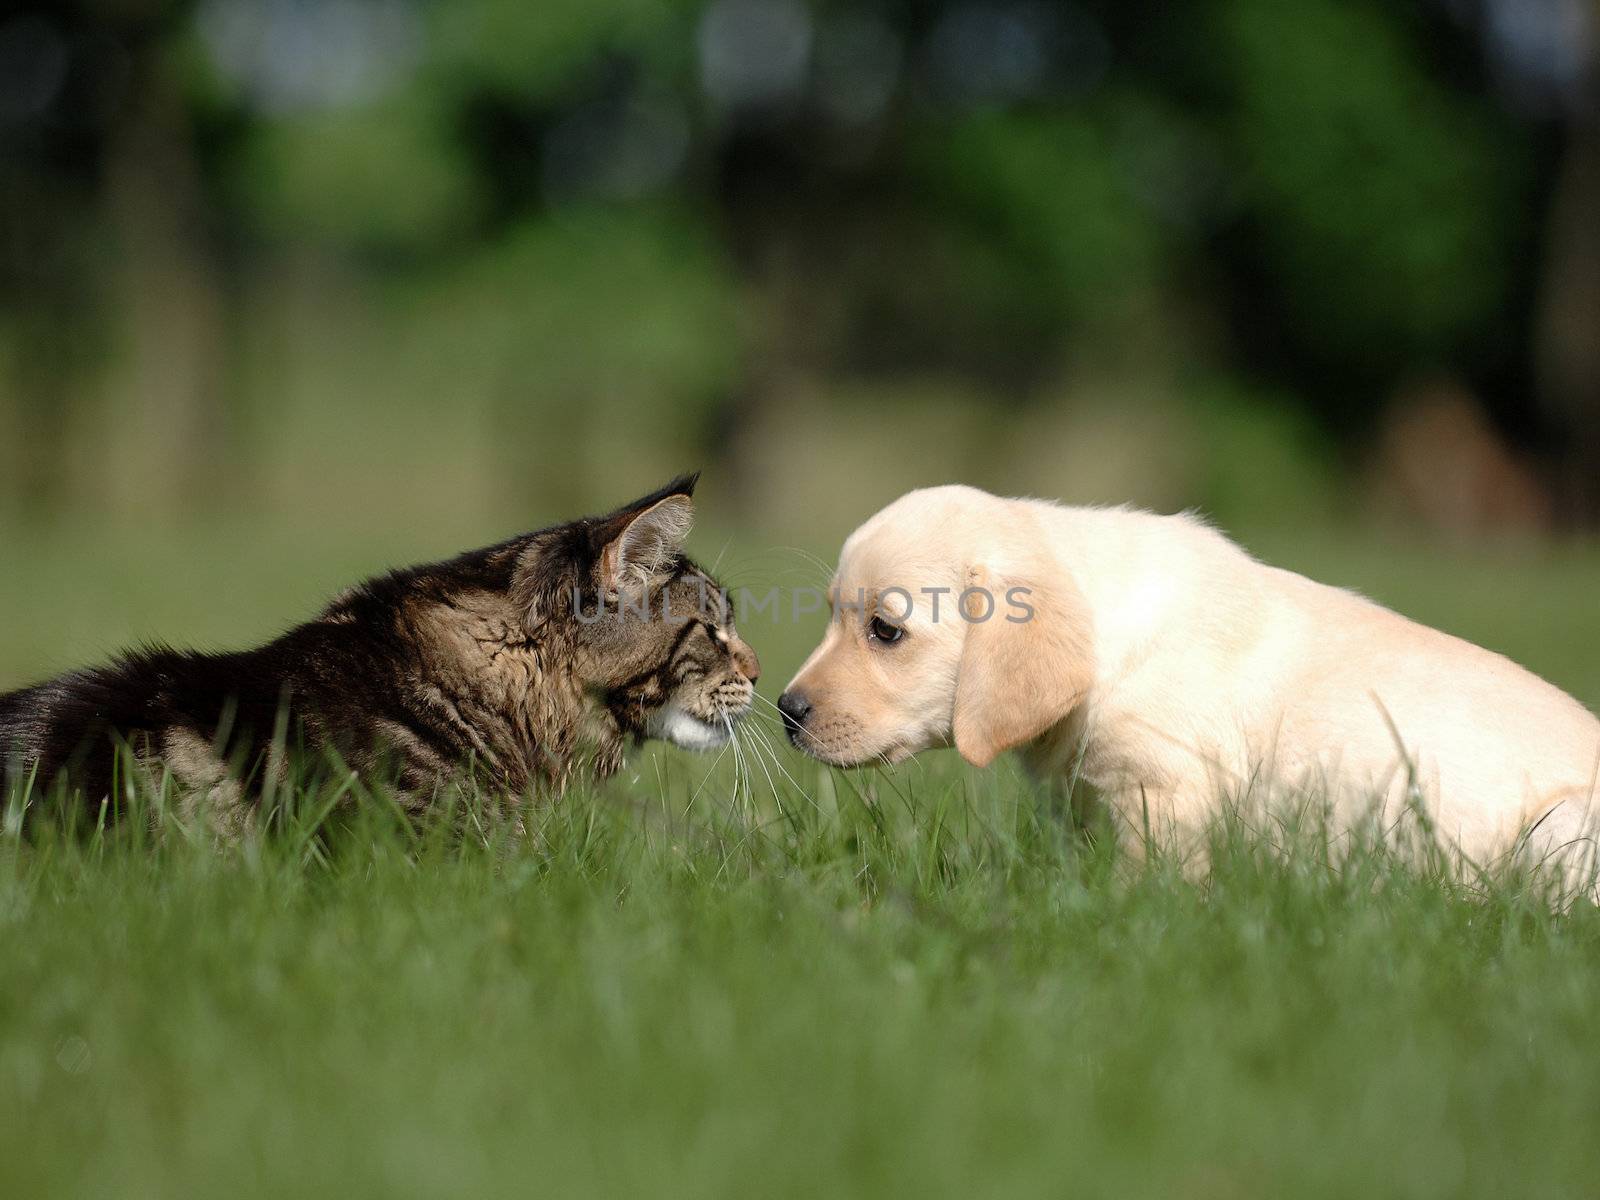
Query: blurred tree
x=109, y=282
x=1376, y=198
x=166, y=386
x=1569, y=317
x=1568, y=306
x=666, y=217
x=51, y=234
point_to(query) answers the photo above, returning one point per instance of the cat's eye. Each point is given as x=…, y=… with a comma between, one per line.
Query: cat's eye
x=880, y=630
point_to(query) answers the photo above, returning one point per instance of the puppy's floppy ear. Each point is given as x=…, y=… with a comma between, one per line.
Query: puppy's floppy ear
x=1025, y=667
x=646, y=544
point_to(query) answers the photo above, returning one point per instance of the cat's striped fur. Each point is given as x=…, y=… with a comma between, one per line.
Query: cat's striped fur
x=516, y=661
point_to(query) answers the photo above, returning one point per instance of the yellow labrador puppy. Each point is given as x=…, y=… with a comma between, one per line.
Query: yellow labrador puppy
x=1155, y=660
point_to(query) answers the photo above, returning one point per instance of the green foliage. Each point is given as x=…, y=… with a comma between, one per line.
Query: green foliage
x=1263, y=460
x=598, y=301
x=385, y=176
x=1050, y=189
x=1381, y=197
x=506, y=47
x=1311, y=201
x=599, y=338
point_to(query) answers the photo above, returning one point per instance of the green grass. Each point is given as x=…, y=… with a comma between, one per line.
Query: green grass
x=917, y=983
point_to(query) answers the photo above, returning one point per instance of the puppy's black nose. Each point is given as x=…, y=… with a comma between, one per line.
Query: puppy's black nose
x=795, y=709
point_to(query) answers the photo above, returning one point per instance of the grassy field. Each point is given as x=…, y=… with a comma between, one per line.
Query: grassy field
x=713, y=979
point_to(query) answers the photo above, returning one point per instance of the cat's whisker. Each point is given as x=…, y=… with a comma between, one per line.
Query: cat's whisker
x=751, y=805
x=810, y=558
x=741, y=771
x=775, y=717
x=770, y=704
x=717, y=762
x=778, y=765
x=755, y=722
x=781, y=727
x=760, y=762
x=773, y=755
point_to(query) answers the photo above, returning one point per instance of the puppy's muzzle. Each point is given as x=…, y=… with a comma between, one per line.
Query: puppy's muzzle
x=795, y=709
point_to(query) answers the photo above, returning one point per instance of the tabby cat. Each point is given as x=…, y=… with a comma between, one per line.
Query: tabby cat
x=518, y=662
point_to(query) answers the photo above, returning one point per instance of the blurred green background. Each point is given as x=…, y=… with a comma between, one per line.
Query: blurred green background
x=291, y=290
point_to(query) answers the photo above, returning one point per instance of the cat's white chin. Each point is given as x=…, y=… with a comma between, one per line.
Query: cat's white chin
x=681, y=728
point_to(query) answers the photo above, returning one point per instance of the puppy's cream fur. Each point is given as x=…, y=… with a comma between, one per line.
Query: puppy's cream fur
x=1170, y=671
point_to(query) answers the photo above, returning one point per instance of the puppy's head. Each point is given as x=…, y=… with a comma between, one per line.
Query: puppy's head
x=951, y=623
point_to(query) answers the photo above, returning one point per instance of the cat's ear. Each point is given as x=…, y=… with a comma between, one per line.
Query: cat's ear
x=649, y=541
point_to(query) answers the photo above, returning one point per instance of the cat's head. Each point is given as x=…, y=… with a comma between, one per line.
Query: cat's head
x=650, y=633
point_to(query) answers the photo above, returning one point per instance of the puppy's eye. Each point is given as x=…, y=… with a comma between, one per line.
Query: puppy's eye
x=880, y=630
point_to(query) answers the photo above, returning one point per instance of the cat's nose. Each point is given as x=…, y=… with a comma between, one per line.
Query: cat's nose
x=745, y=659
x=795, y=709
